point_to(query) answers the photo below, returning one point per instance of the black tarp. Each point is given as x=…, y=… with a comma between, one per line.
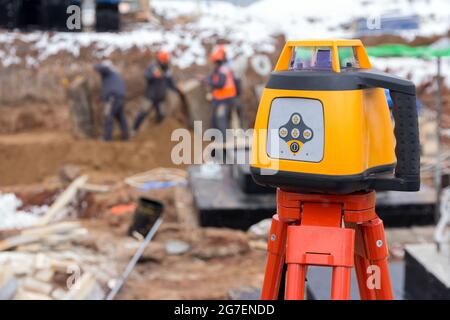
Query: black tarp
x=9, y=13
x=107, y=17
x=35, y=14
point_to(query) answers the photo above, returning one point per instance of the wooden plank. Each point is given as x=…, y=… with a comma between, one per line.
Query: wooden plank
x=30, y=295
x=34, y=285
x=56, y=228
x=64, y=231
x=15, y=241
x=8, y=284
x=44, y=275
x=89, y=187
x=63, y=200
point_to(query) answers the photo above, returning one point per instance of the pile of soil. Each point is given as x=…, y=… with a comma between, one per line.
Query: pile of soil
x=34, y=156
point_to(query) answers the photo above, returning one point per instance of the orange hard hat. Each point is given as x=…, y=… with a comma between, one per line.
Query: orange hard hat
x=163, y=56
x=218, y=54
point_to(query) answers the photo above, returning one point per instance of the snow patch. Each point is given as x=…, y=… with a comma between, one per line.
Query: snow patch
x=249, y=30
x=13, y=218
x=417, y=70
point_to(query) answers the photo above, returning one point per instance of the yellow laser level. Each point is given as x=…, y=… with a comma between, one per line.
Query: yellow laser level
x=324, y=125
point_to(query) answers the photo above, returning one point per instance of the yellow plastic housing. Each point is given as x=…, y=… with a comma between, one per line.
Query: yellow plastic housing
x=358, y=132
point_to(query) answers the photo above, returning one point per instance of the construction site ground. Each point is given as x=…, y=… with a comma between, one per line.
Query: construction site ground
x=39, y=157
x=35, y=165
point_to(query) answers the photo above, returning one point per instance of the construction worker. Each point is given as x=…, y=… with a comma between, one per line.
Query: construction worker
x=113, y=94
x=159, y=78
x=224, y=90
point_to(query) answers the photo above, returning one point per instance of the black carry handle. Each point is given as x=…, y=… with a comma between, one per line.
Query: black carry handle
x=406, y=131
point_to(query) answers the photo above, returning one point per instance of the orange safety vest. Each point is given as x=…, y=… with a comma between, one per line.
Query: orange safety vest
x=229, y=89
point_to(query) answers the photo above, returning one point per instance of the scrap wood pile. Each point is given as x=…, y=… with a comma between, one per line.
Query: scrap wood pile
x=56, y=257
x=52, y=262
x=68, y=260
x=61, y=256
x=54, y=254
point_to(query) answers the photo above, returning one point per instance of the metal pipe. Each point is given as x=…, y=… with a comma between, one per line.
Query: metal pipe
x=134, y=260
x=438, y=171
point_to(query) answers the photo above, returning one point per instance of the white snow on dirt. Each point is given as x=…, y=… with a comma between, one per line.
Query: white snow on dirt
x=13, y=218
x=417, y=70
x=248, y=29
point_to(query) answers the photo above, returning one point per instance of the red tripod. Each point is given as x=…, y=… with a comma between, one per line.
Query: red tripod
x=320, y=230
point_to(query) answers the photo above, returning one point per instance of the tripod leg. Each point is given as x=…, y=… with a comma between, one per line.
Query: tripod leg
x=385, y=291
x=361, y=267
x=377, y=253
x=295, y=282
x=275, y=259
x=340, y=286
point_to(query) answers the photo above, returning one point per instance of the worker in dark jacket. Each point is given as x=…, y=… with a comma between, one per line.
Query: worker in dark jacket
x=224, y=90
x=113, y=94
x=159, y=78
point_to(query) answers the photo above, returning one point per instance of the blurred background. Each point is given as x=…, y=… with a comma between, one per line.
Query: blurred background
x=70, y=203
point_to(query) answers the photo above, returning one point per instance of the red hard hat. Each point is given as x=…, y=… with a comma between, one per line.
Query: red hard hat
x=218, y=54
x=163, y=56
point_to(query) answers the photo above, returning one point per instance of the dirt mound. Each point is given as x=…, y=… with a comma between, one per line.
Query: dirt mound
x=33, y=156
x=33, y=116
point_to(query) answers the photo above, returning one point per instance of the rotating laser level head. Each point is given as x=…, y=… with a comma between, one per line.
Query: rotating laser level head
x=323, y=123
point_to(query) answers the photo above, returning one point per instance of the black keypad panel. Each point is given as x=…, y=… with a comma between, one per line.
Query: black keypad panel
x=295, y=129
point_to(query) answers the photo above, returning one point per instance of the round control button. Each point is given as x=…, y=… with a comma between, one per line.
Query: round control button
x=294, y=147
x=307, y=134
x=283, y=132
x=296, y=118
x=295, y=133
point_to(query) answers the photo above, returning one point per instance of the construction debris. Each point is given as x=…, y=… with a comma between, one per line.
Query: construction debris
x=176, y=247
x=220, y=243
x=137, y=255
x=157, y=178
x=86, y=288
x=69, y=172
x=261, y=228
x=52, y=262
x=63, y=200
x=8, y=285
x=244, y=293
x=46, y=235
